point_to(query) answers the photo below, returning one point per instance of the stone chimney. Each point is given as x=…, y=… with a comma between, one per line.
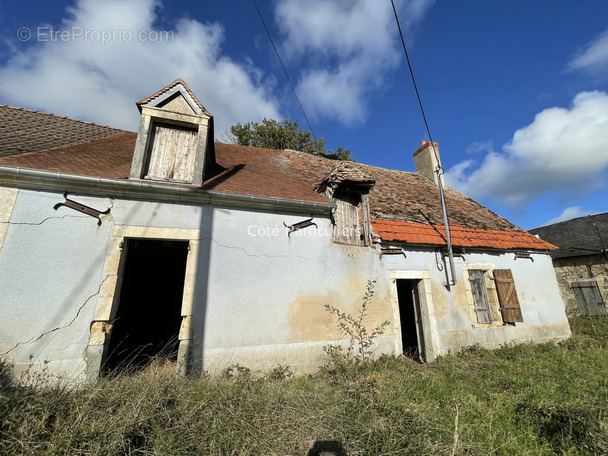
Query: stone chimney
x=427, y=159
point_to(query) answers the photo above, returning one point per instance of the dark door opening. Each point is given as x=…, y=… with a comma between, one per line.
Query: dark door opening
x=409, y=315
x=148, y=318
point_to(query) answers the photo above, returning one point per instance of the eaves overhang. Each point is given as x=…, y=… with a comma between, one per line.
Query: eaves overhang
x=149, y=191
x=459, y=250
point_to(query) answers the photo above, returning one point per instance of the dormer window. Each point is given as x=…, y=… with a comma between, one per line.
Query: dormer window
x=348, y=187
x=175, y=137
x=348, y=218
x=172, y=151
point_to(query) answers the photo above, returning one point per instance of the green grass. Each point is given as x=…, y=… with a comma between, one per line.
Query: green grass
x=521, y=400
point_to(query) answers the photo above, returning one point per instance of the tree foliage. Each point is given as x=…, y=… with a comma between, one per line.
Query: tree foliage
x=272, y=134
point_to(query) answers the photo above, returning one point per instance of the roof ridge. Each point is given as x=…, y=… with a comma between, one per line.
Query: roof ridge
x=34, y=111
x=338, y=162
x=598, y=214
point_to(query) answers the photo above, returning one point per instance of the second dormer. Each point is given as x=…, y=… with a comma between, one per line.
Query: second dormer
x=175, y=137
x=348, y=187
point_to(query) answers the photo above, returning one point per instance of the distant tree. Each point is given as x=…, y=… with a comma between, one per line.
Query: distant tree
x=287, y=135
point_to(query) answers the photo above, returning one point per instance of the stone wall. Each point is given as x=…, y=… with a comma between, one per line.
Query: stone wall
x=576, y=269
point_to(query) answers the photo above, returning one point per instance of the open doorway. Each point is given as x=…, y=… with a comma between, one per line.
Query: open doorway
x=148, y=317
x=409, y=315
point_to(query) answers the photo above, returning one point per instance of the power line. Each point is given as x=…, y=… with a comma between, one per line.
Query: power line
x=409, y=64
x=439, y=169
x=284, y=70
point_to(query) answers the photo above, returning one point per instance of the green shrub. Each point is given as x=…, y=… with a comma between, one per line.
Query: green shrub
x=353, y=327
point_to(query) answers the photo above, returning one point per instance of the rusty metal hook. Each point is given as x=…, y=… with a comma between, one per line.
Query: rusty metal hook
x=81, y=208
x=299, y=225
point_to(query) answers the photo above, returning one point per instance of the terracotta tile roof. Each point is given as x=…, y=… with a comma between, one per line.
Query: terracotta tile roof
x=283, y=174
x=276, y=173
x=403, y=194
x=255, y=171
x=421, y=234
x=108, y=157
x=169, y=87
x=25, y=130
x=238, y=169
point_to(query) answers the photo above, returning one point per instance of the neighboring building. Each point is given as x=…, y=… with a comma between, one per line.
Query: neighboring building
x=234, y=251
x=581, y=262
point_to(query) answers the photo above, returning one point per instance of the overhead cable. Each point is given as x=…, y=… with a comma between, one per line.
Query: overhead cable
x=409, y=65
x=284, y=69
x=439, y=170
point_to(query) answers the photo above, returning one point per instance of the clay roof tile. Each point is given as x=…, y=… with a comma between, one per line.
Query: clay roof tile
x=416, y=233
x=272, y=173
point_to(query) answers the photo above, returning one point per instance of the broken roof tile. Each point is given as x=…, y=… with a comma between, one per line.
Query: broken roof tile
x=346, y=172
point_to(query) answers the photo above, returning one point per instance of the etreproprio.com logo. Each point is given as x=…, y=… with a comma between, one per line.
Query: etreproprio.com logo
x=49, y=34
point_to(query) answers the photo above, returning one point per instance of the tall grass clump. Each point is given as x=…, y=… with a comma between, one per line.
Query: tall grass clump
x=547, y=399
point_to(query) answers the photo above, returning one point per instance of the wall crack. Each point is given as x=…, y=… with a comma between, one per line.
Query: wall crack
x=58, y=328
x=264, y=255
x=44, y=220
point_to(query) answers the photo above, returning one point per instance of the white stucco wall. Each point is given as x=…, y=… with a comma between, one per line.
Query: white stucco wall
x=50, y=273
x=258, y=296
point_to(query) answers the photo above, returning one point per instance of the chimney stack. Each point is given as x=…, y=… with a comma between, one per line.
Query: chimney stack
x=427, y=160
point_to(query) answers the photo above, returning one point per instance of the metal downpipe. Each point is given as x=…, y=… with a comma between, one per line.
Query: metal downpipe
x=439, y=172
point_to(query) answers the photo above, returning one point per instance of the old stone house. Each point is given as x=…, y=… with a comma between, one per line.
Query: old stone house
x=114, y=243
x=581, y=262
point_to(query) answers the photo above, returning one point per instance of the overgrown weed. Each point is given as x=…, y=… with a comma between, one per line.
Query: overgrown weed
x=353, y=363
x=529, y=399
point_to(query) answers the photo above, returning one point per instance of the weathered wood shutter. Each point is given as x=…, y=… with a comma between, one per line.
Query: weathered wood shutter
x=507, y=295
x=172, y=152
x=589, y=299
x=346, y=218
x=480, y=296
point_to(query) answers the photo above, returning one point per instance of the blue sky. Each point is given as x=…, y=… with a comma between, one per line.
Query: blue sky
x=516, y=92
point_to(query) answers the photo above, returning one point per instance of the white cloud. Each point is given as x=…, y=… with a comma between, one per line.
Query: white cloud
x=480, y=146
x=593, y=57
x=563, y=150
x=348, y=49
x=569, y=213
x=101, y=82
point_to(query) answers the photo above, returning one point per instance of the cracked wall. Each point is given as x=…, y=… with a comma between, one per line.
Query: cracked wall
x=50, y=276
x=58, y=275
x=252, y=295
